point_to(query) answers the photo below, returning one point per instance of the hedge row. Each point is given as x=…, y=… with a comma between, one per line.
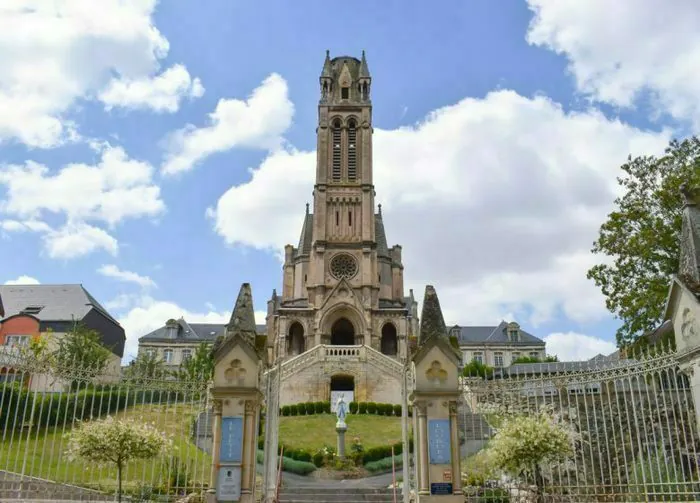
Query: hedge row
x=384, y=451
x=309, y=408
x=290, y=465
x=384, y=464
x=55, y=409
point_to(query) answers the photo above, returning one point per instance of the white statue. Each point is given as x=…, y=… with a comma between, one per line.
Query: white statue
x=341, y=409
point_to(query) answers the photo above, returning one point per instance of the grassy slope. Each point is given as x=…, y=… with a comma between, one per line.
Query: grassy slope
x=316, y=431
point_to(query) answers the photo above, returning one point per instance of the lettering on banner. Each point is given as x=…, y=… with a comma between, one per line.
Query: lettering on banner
x=231, y=439
x=439, y=445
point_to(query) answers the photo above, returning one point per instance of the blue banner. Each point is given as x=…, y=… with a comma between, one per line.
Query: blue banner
x=439, y=445
x=231, y=439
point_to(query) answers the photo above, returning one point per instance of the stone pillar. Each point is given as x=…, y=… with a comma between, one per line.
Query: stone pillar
x=423, y=477
x=340, y=430
x=216, y=441
x=454, y=439
x=249, y=458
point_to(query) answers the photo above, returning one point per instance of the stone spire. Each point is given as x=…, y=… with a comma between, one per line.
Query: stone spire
x=243, y=317
x=364, y=69
x=689, y=265
x=432, y=323
x=327, y=70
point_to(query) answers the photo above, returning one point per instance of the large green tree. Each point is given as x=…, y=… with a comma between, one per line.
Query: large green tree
x=640, y=238
x=199, y=366
x=81, y=350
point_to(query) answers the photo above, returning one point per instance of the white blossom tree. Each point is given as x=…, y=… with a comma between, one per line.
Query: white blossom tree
x=111, y=441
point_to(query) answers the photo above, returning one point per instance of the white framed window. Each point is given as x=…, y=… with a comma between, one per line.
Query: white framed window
x=186, y=354
x=534, y=354
x=168, y=355
x=478, y=357
x=150, y=352
x=498, y=359
x=514, y=356
x=16, y=340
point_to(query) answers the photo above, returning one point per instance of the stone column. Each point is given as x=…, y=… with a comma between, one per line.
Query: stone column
x=423, y=477
x=248, y=468
x=216, y=443
x=454, y=443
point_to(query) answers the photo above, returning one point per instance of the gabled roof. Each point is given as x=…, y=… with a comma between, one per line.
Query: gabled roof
x=380, y=234
x=193, y=332
x=306, y=237
x=50, y=302
x=493, y=335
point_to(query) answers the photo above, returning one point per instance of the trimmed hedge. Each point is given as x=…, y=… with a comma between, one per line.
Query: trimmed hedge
x=291, y=465
x=309, y=408
x=384, y=464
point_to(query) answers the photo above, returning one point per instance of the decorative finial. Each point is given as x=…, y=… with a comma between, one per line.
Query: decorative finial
x=380, y=208
x=307, y=208
x=328, y=53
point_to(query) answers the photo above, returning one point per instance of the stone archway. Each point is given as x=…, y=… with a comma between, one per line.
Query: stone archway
x=390, y=341
x=342, y=384
x=343, y=333
x=296, y=342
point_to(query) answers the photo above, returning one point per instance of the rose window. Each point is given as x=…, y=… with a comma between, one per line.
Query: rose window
x=343, y=266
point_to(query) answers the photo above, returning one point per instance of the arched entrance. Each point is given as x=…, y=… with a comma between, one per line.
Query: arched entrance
x=390, y=342
x=343, y=333
x=342, y=384
x=296, y=339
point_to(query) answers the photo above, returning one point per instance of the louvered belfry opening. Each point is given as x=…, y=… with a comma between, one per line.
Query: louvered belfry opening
x=352, y=151
x=336, y=151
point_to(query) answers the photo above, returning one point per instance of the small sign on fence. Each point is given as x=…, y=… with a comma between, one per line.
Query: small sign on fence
x=447, y=476
x=229, y=484
x=231, y=439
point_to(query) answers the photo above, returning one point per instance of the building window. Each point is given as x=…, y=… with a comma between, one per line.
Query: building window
x=534, y=354
x=16, y=340
x=168, y=356
x=478, y=357
x=498, y=359
x=344, y=92
x=337, y=218
x=350, y=218
x=515, y=356
x=186, y=354
x=150, y=353
x=352, y=151
x=336, y=151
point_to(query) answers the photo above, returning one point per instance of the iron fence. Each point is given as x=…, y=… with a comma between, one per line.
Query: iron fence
x=630, y=422
x=41, y=404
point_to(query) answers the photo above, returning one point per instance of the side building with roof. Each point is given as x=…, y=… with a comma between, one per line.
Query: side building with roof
x=499, y=345
x=51, y=311
x=177, y=340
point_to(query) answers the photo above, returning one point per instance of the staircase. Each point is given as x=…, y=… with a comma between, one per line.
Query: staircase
x=337, y=494
x=473, y=429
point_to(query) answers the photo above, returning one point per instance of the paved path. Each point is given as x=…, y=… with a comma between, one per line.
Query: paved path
x=294, y=480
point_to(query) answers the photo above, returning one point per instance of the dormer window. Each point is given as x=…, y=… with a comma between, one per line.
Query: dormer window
x=32, y=309
x=513, y=332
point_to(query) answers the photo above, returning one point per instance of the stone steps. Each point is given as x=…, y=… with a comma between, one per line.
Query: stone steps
x=337, y=494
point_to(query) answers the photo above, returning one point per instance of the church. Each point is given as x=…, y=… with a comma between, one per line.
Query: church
x=342, y=319
x=342, y=322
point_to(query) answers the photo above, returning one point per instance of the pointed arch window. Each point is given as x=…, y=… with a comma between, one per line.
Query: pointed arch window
x=352, y=151
x=335, y=173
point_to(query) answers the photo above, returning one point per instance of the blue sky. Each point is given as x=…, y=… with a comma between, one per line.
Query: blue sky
x=162, y=153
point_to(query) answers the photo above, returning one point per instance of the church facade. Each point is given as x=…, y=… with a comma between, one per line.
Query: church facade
x=342, y=319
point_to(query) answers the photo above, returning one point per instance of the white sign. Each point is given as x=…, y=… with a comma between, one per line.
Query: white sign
x=229, y=484
x=348, y=396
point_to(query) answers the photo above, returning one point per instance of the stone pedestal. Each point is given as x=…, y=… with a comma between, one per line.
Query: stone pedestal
x=340, y=429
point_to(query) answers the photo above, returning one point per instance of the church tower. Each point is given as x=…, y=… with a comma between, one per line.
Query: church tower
x=342, y=284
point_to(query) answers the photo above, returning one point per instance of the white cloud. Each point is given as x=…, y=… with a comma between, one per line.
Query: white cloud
x=619, y=50
x=148, y=314
x=496, y=202
x=571, y=346
x=112, y=190
x=112, y=271
x=257, y=122
x=161, y=93
x=75, y=240
x=23, y=280
x=54, y=53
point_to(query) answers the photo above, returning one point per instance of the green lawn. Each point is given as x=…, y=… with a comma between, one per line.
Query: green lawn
x=43, y=455
x=316, y=431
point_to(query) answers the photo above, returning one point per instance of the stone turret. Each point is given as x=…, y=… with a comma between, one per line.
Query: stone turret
x=689, y=265
x=432, y=323
x=243, y=316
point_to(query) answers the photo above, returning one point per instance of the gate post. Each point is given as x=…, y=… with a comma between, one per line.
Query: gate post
x=236, y=401
x=435, y=399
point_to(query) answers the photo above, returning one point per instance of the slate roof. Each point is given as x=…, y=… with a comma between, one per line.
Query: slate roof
x=56, y=302
x=493, y=335
x=193, y=332
x=306, y=237
x=382, y=247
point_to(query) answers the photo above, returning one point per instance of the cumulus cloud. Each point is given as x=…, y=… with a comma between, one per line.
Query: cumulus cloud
x=572, y=346
x=54, y=53
x=112, y=190
x=496, y=202
x=161, y=93
x=618, y=51
x=146, y=314
x=23, y=280
x=257, y=122
x=112, y=271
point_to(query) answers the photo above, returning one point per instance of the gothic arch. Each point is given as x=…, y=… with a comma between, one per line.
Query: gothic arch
x=295, y=339
x=390, y=340
x=342, y=310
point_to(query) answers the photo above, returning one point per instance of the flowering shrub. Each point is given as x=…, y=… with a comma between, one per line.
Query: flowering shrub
x=523, y=444
x=111, y=441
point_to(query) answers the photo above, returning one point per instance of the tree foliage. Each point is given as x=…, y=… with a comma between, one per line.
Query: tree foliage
x=146, y=366
x=640, y=238
x=110, y=441
x=198, y=367
x=81, y=348
x=477, y=369
x=532, y=359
